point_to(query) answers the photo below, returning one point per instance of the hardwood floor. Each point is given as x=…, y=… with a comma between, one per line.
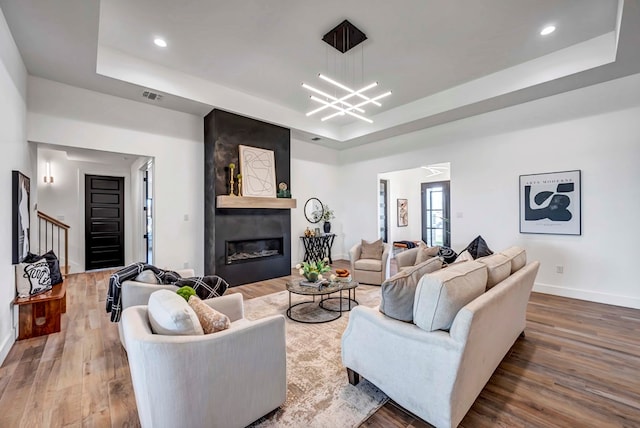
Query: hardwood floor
x=577, y=366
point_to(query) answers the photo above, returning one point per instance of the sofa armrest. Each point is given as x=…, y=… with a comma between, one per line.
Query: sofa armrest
x=354, y=254
x=231, y=305
x=413, y=367
x=407, y=257
x=136, y=293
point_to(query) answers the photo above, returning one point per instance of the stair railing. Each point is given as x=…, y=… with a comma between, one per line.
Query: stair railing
x=54, y=232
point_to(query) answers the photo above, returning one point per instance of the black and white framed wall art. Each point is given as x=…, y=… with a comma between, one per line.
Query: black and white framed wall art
x=20, y=220
x=550, y=203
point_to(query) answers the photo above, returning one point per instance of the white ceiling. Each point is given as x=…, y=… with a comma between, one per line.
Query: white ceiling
x=443, y=60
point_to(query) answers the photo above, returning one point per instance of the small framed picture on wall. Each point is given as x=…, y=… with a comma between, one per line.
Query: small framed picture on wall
x=403, y=213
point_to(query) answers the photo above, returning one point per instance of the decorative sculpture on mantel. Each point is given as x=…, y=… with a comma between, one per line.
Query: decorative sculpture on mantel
x=232, y=166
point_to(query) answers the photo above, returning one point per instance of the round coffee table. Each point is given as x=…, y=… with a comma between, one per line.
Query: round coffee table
x=346, y=303
x=316, y=313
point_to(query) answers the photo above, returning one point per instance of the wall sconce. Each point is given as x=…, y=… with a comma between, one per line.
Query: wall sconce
x=48, y=178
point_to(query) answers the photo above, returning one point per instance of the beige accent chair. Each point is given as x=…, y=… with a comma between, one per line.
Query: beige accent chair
x=136, y=293
x=369, y=271
x=225, y=379
x=458, y=336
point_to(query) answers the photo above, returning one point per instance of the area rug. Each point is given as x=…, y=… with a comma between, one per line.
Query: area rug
x=318, y=392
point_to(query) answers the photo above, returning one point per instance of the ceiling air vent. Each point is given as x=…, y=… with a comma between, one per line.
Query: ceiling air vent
x=152, y=96
x=316, y=139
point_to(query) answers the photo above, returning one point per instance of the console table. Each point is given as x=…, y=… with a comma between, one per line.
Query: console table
x=318, y=247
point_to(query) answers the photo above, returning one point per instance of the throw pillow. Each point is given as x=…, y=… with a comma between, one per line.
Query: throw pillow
x=170, y=314
x=518, y=258
x=464, y=256
x=146, y=276
x=210, y=319
x=372, y=250
x=478, y=248
x=440, y=295
x=447, y=254
x=498, y=268
x=33, y=278
x=398, y=292
x=52, y=261
x=425, y=253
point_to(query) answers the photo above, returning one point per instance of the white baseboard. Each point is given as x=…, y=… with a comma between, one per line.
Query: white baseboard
x=591, y=296
x=7, y=343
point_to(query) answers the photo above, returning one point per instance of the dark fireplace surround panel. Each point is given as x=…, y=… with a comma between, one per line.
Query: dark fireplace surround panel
x=264, y=233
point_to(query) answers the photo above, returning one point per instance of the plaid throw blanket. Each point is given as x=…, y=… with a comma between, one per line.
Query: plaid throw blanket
x=206, y=287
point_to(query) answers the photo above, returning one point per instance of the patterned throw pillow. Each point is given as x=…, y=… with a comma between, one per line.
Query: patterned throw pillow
x=33, y=278
x=372, y=250
x=478, y=248
x=447, y=255
x=52, y=261
x=210, y=319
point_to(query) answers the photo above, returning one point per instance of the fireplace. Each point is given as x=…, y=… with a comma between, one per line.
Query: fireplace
x=253, y=249
x=230, y=247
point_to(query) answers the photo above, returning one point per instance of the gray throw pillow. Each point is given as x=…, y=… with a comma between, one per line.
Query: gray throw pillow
x=372, y=250
x=398, y=292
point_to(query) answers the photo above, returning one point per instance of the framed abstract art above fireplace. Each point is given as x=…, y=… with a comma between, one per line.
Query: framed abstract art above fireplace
x=20, y=220
x=550, y=203
x=258, y=169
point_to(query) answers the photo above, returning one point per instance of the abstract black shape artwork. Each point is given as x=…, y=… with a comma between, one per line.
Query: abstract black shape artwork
x=550, y=203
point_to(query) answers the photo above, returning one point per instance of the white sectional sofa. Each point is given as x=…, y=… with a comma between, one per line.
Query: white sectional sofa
x=437, y=364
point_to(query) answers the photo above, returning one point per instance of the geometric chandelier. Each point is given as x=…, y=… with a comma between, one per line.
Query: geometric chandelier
x=344, y=37
x=341, y=106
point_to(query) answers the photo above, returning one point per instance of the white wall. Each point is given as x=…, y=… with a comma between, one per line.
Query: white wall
x=314, y=173
x=64, y=199
x=595, y=129
x=64, y=115
x=16, y=155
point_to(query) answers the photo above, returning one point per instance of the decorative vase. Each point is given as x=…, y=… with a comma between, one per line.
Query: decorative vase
x=311, y=276
x=327, y=226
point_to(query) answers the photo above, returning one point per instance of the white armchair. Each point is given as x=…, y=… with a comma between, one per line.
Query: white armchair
x=226, y=379
x=369, y=271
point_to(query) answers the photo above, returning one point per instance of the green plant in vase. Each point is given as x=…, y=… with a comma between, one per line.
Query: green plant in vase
x=313, y=271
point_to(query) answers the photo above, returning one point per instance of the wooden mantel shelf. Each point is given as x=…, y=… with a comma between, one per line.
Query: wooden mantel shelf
x=226, y=201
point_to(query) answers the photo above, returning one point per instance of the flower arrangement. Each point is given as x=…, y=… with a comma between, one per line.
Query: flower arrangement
x=327, y=215
x=313, y=271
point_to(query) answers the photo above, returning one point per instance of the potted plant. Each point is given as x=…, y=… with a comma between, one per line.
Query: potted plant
x=313, y=271
x=327, y=216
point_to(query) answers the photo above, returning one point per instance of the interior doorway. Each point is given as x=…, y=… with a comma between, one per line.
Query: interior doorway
x=383, y=207
x=436, y=209
x=104, y=221
x=147, y=207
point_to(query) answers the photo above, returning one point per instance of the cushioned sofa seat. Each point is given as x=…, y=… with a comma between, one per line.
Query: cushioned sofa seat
x=370, y=265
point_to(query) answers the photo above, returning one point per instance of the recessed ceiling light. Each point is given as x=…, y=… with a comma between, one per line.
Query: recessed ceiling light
x=160, y=42
x=547, y=30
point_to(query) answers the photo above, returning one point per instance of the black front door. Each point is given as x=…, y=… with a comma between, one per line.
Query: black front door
x=104, y=221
